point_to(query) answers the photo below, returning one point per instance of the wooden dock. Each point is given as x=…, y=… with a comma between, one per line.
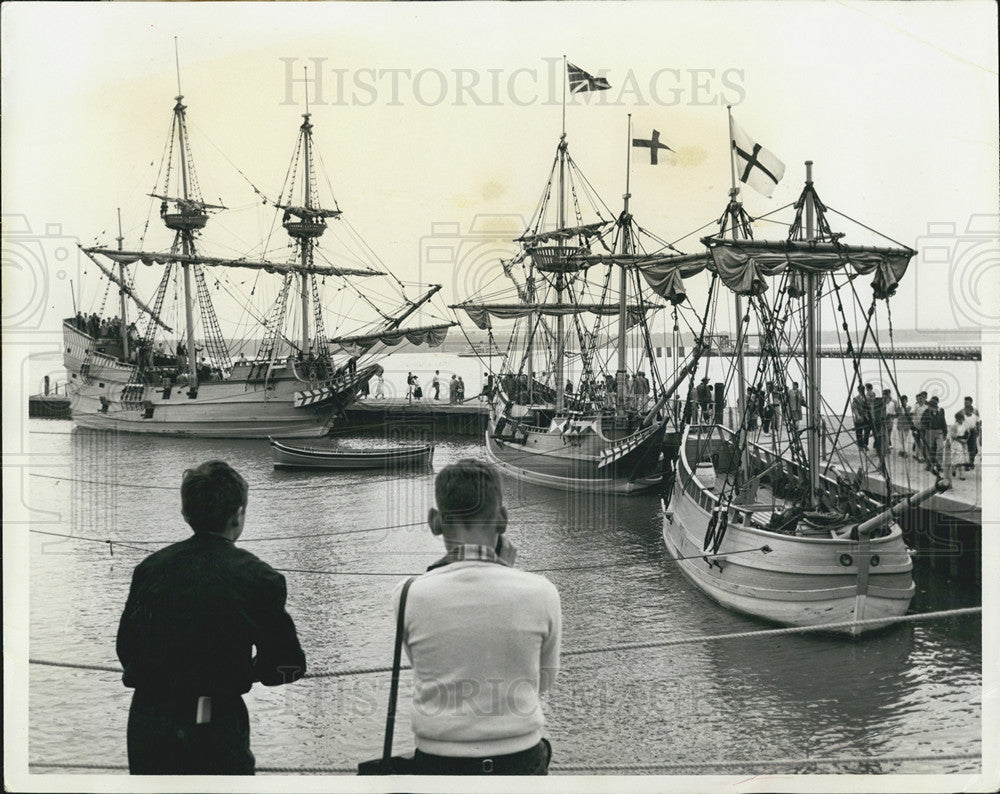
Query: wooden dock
x=416, y=420
x=964, y=500
x=49, y=406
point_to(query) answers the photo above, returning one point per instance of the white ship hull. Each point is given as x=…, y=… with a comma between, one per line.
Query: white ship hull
x=801, y=581
x=261, y=406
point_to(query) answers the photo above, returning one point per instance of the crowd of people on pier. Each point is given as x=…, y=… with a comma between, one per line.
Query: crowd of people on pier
x=204, y=620
x=944, y=442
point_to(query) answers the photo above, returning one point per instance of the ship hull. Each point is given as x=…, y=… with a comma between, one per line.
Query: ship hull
x=256, y=402
x=579, y=463
x=800, y=581
x=216, y=413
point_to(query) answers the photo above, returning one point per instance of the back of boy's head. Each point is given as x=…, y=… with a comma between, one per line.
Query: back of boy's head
x=210, y=494
x=467, y=489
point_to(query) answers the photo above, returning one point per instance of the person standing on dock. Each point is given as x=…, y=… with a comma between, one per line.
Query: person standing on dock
x=796, y=402
x=957, y=451
x=919, y=450
x=904, y=424
x=935, y=428
x=891, y=409
x=973, y=424
x=859, y=412
x=453, y=389
x=483, y=638
x=379, y=387
x=436, y=384
x=195, y=613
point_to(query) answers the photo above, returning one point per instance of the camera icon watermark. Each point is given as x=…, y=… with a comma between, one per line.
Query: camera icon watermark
x=475, y=261
x=958, y=277
x=34, y=263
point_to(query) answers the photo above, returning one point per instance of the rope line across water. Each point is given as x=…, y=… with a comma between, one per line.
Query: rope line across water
x=749, y=763
x=739, y=635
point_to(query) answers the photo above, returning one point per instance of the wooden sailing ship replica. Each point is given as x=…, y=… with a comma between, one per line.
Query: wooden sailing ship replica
x=149, y=377
x=578, y=402
x=776, y=526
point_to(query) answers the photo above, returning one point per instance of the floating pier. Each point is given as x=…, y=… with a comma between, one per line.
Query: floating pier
x=414, y=420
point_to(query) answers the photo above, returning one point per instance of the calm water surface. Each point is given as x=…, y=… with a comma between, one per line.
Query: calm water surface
x=913, y=690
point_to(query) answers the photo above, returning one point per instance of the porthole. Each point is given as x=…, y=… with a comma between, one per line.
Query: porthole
x=846, y=560
x=875, y=560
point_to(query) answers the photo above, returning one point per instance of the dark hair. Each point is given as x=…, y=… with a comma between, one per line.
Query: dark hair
x=467, y=489
x=210, y=494
x=960, y=416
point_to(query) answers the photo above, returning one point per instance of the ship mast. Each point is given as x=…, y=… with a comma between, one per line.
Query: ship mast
x=812, y=358
x=121, y=290
x=560, y=282
x=625, y=232
x=305, y=224
x=305, y=243
x=733, y=211
x=188, y=218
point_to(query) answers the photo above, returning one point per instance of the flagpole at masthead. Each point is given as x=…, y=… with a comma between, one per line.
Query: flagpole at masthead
x=628, y=161
x=564, y=81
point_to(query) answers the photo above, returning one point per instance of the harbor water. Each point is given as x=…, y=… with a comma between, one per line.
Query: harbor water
x=345, y=540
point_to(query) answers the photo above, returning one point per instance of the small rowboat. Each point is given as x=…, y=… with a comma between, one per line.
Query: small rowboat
x=287, y=456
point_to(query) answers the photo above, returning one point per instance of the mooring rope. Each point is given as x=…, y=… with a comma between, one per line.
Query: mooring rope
x=748, y=763
x=632, y=646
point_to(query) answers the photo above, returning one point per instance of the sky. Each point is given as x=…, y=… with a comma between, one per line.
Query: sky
x=437, y=124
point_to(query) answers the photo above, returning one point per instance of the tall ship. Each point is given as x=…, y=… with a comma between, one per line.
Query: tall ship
x=579, y=402
x=766, y=514
x=162, y=364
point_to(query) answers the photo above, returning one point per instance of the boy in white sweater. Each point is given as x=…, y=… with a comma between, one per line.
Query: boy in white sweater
x=483, y=638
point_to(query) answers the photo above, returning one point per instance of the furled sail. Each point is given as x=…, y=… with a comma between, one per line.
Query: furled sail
x=308, y=213
x=481, y=313
x=431, y=335
x=188, y=204
x=147, y=258
x=110, y=274
x=743, y=264
x=584, y=230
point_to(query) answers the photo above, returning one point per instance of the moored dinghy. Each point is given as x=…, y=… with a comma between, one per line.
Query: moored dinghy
x=296, y=456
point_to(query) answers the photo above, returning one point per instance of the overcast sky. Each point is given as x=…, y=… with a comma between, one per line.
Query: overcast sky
x=430, y=116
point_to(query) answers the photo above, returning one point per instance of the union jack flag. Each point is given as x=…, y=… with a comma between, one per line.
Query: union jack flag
x=580, y=81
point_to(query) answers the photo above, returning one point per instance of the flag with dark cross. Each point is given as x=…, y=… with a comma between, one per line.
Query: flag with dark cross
x=755, y=165
x=653, y=144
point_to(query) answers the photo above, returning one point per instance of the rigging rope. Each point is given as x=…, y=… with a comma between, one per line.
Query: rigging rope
x=750, y=763
x=632, y=646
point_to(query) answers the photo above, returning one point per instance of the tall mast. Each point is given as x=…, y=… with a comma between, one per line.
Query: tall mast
x=306, y=224
x=306, y=243
x=812, y=358
x=559, y=373
x=560, y=283
x=626, y=242
x=184, y=228
x=121, y=290
x=741, y=377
